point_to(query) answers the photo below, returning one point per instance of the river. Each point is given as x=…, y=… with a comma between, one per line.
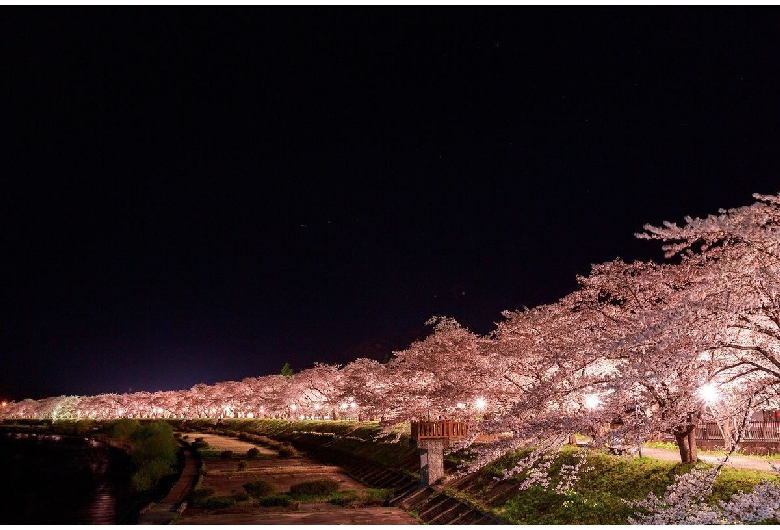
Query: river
x=53, y=479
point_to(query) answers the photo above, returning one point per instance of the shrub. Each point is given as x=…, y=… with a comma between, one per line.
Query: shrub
x=199, y=494
x=324, y=486
x=215, y=503
x=241, y=465
x=253, y=452
x=286, y=451
x=240, y=497
x=199, y=443
x=275, y=500
x=150, y=473
x=227, y=455
x=344, y=499
x=259, y=488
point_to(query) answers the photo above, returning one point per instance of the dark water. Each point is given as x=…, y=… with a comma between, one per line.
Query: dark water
x=50, y=479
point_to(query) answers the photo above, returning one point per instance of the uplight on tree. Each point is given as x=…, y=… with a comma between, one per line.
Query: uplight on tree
x=592, y=401
x=709, y=394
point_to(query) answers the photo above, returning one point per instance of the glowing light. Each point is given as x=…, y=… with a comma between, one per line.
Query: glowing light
x=5, y=403
x=480, y=403
x=461, y=405
x=352, y=405
x=343, y=406
x=592, y=401
x=709, y=393
x=293, y=407
x=250, y=414
x=316, y=406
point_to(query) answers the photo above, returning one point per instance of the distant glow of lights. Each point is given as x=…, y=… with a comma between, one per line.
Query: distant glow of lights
x=5, y=403
x=293, y=407
x=302, y=417
x=461, y=405
x=480, y=403
x=352, y=405
x=592, y=401
x=343, y=406
x=709, y=393
x=250, y=414
x=316, y=406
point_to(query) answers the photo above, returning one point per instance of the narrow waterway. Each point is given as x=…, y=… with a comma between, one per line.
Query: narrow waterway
x=52, y=479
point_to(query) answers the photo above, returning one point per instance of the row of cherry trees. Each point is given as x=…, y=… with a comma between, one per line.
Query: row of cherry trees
x=638, y=349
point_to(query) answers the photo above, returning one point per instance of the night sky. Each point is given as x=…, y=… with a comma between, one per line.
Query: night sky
x=199, y=195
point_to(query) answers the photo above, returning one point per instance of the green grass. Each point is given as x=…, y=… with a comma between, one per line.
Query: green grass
x=598, y=497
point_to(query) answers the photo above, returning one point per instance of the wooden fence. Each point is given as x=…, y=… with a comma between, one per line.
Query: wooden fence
x=757, y=431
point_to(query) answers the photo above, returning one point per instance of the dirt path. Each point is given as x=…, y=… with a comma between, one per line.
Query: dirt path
x=735, y=461
x=165, y=511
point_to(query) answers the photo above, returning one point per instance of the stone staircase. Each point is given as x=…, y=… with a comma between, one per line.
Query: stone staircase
x=432, y=504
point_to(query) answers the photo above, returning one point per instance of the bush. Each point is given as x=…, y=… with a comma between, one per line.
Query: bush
x=274, y=500
x=150, y=473
x=199, y=443
x=259, y=488
x=253, y=452
x=199, y=494
x=226, y=455
x=286, y=451
x=324, y=486
x=215, y=503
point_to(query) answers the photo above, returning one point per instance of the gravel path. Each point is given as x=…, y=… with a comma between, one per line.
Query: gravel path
x=735, y=461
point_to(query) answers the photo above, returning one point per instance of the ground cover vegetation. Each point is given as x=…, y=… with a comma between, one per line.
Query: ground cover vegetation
x=262, y=493
x=639, y=349
x=543, y=493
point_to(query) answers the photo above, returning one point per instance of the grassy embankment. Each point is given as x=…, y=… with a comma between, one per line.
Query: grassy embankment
x=597, y=498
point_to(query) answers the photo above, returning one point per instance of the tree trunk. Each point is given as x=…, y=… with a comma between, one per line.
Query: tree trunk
x=685, y=436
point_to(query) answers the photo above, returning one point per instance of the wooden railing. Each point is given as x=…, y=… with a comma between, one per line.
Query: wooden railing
x=758, y=431
x=427, y=430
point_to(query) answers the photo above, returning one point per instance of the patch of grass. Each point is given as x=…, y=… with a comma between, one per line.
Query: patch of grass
x=598, y=497
x=359, y=498
x=319, y=487
x=199, y=494
x=662, y=445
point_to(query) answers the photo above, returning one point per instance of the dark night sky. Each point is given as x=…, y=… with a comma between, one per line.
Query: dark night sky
x=202, y=195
